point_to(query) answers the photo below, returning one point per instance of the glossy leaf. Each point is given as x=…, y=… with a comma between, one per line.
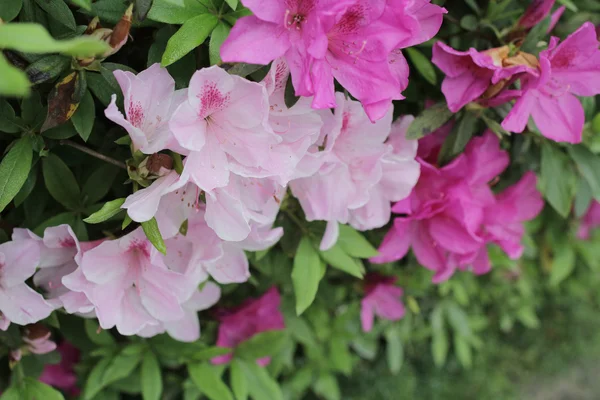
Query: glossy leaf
x=14, y=170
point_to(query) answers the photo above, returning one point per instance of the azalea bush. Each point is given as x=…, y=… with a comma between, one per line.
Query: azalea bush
x=271, y=200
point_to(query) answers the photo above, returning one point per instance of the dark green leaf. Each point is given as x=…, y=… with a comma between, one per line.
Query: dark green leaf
x=209, y=382
x=583, y=198
x=61, y=182
x=14, y=170
x=99, y=183
x=422, y=64
x=9, y=123
x=588, y=165
x=260, y=384
x=142, y=7
x=176, y=12
x=85, y=4
x=63, y=131
x=290, y=97
x=152, y=386
x=153, y=234
x=103, y=86
x=67, y=218
x=108, y=210
x=429, y=121
x=59, y=11
x=563, y=263
x=9, y=9
x=243, y=69
x=457, y=140
x=557, y=181
x=191, y=35
x=83, y=119
x=32, y=110
x=97, y=335
x=535, y=35
x=27, y=187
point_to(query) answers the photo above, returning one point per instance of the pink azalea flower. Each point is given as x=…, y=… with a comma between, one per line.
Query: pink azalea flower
x=62, y=375
x=18, y=302
x=361, y=174
x=382, y=298
x=223, y=124
x=469, y=74
x=569, y=69
x=187, y=329
x=590, y=220
x=37, y=339
x=254, y=316
x=349, y=40
x=537, y=11
x=452, y=213
x=149, y=100
x=130, y=285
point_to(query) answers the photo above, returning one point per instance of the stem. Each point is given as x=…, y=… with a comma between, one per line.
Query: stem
x=93, y=153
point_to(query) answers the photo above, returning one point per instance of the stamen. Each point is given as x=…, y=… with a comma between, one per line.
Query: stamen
x=286, y=21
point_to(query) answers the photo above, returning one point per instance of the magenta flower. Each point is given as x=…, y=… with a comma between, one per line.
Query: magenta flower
x=18, y=302
x=569, y=69
x=252, y=317
x=452, y=213
x=62, y=375
x=349, y=40
x=382, y=298
x=590, y=220
x=537, y=11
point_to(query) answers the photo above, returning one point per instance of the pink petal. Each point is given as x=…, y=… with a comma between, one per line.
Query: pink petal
x=395, y=244
x=559, y=118
x=22, y=305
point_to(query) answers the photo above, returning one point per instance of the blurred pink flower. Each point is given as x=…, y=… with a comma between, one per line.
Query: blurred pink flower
x=537, y=11
x=382, y=298
x=253, y=316
x=589, y=221
x=62, y=375
x=567, y=70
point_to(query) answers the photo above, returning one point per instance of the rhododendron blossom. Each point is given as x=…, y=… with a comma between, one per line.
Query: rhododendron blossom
x=452, y=213
x=253, y=317
x=351, y=41
x=382, y=298
x=361, y=174
x=589, y=221
x=62, y=375
x=537, y=11
x=567, y=70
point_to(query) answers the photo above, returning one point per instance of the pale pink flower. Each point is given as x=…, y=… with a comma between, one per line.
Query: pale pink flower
x=37, y=339
x=567, y=70
x=223, y=124
x=149, y=100
x=18, y=302
x=253, y=316
x=130, y=285
x=382, y=298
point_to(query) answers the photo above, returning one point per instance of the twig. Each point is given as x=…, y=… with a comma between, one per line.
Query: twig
x=93, y=153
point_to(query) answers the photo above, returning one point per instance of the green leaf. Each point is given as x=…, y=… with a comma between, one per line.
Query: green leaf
x=176, y=11
x=337, y=258
x=191, y=35
x=9, y=9
x=469, y=22
x=14, y=82
x=103, y=85
x=99, y=183
x=217, y=37
x=34, y=38
x=463, y=351
x=289, y=95
x=59, y=11
x=85, y=4
x=306, y=275
x=83, y=119
x=209, y=382
x=26, y=189
x=583, y=198
x=14, y=170
x=394, y=349
x=153, y=234
x=151, y=376
x=108, y=210
x=260, y=384
x=535, y=36
x=429, y=121
x=439, y=342
x=232, y=3
x=95, y=382
x=339, y=355
x=327, y=387
x=243, y=69
x=457, y=140
x=98, y=336
x=569, y=4
x=32, y=110
x=588, y=165
x=422, y=64
x=121, y=366
x=563, y=263
x=61, y=182
x=557, y=181
x=32, y=389
x=59, y=219
x=142, y=7
x=355, y=244
x=458, y=319
x=9, y=123
x=238, y=381
x=261, y=345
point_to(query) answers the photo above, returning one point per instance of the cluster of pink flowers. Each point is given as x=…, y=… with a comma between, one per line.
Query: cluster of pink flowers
x=452, y=213
x=357, y=42
x=549, y=83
